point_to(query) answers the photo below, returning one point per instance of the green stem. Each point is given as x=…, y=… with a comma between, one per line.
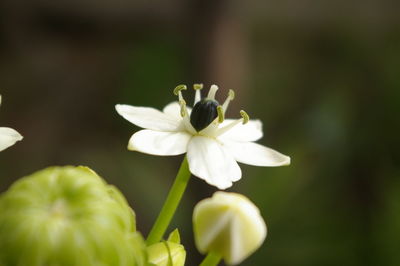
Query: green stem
x=170, y=205
x=212, y=259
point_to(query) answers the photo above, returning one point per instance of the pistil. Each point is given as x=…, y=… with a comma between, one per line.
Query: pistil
x=204, y=113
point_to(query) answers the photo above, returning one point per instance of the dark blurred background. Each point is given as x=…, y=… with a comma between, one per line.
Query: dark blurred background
x=323, y=76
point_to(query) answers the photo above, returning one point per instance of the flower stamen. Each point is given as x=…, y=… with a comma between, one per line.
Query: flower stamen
x=197, y=88
x=178, y=91
x=212, y=91
x=245, y=117
x=182, y=104
x=179, y=88
x=221, y=115
x=231, y=96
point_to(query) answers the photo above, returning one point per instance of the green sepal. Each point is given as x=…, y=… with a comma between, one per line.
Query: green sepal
x=174, y=237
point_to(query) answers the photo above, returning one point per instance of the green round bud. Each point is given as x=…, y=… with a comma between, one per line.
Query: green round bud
x=67, y=216
x=167, y=253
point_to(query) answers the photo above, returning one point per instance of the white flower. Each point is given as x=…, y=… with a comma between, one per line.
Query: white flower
x=8, y=136
x=213, y=144
x=228, y=224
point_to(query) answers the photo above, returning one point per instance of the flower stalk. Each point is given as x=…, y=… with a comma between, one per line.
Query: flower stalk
x=212, y=259
x=170, y=205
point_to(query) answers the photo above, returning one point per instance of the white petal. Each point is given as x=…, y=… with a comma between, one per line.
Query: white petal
x=248, y=232
x=211, y=226
x=230, y=225
x=159, y=143
x=8, y=137
x=250, y=131
x=211, y=161
x=147, y=117
x=256, y=154
x=174, y=109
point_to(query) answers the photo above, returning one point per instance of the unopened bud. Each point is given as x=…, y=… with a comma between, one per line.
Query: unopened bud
x=167, y=253
x=67, y=216
x=230, y=225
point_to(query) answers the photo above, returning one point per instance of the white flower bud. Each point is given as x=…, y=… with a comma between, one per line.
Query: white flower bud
x=230, y=225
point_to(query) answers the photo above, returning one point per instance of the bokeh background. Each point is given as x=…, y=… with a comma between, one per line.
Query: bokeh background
x=323, y=76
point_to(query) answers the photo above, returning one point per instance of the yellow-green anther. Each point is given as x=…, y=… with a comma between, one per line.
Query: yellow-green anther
x=231, y=94
x=197, y=95
x=245, y=116
x=182, y=103
x=198, y=86
x=179, y=88
x=221, y=115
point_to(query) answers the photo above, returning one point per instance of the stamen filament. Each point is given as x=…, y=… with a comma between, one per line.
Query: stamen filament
x=188, y=125
x=231, y=96
x=212, y=91
x=197, y=97
x=182, y=103
x=221, y=115
x=178, y=91
x=229, y=126
x=245, y=117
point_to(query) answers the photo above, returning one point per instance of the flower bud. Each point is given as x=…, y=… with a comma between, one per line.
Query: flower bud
x=167, y=253
x=67, y=216
x=230, y=225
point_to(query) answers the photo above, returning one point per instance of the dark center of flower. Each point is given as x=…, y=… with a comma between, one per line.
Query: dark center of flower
x=203, y=113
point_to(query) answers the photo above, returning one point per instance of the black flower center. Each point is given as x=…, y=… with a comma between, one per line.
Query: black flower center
x=203, y=113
